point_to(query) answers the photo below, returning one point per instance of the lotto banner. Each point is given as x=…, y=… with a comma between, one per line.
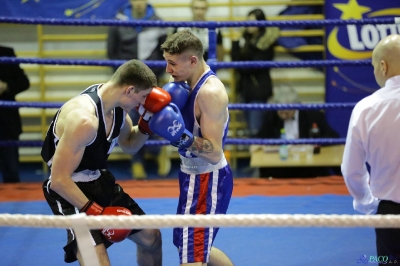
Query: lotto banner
x=351, y=42
x=61, y=9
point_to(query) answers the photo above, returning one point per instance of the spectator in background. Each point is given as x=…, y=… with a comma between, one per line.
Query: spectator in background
x=125, y=43
x=199, y=9
x=254, y=85
x=297, y=124
x=143, y=43
x=12, y=81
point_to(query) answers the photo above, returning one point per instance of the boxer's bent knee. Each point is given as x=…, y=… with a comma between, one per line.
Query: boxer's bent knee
x=148, y=238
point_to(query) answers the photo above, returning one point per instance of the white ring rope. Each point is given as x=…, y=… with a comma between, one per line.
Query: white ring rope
x=219, y=220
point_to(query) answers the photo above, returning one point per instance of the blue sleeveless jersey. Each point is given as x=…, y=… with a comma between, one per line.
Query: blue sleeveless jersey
x=189, y=116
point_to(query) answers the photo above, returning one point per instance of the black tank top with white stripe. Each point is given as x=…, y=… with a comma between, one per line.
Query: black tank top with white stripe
x=97, y=152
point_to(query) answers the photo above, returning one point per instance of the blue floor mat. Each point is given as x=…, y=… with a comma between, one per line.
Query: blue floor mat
x=245, y=246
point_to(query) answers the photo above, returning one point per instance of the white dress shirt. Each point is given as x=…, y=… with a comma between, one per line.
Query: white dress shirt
x=292, y=126
x=374, y=137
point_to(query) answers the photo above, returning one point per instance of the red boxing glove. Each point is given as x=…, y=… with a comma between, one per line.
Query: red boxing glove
x=112, y=235
x=155, y=101
x=116, y=235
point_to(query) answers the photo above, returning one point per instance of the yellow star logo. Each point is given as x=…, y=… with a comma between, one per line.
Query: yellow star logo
x=352, y=10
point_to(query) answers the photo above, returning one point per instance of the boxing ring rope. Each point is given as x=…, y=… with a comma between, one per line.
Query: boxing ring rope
x=197, y=24
x=157, y=63
x=217, y=220
x=232, y=141
x=81, y=223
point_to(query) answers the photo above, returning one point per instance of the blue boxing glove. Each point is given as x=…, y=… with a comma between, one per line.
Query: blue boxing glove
x=179, y=92
x=168, y=123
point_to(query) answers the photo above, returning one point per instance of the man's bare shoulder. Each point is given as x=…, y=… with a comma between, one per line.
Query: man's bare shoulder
x=79, y=104
x=214, y=90
x=79, y=112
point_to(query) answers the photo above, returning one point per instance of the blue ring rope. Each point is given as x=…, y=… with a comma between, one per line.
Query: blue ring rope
x=233, y=106
x=229, y=141
x=204, y=24
x=219, y=65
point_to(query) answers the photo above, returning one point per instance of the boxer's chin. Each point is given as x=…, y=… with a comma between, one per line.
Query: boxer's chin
x=176, y=79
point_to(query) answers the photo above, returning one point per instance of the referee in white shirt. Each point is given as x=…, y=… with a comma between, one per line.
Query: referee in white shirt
x=373, y=138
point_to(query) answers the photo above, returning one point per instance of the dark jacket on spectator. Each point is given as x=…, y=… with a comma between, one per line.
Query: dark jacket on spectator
x=17, y=81
x=255, y=83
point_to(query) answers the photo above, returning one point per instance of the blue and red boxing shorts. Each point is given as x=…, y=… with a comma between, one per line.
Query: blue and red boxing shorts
x=208, y=193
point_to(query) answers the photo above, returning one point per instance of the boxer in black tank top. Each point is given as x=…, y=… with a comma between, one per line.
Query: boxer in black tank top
x=77, y=145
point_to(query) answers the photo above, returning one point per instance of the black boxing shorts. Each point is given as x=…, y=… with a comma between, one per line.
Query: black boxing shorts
x=103, y=191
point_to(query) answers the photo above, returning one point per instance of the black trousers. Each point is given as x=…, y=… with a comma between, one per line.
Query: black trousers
x=9, y=163
x=388, y=239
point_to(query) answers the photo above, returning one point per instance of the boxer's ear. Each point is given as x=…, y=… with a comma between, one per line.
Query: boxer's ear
x=193, y=60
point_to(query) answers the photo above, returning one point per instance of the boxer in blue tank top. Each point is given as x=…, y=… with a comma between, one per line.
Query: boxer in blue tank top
x=205, y=177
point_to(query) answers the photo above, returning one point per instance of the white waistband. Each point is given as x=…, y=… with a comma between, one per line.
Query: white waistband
x=85, y=175
x=199, y=166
